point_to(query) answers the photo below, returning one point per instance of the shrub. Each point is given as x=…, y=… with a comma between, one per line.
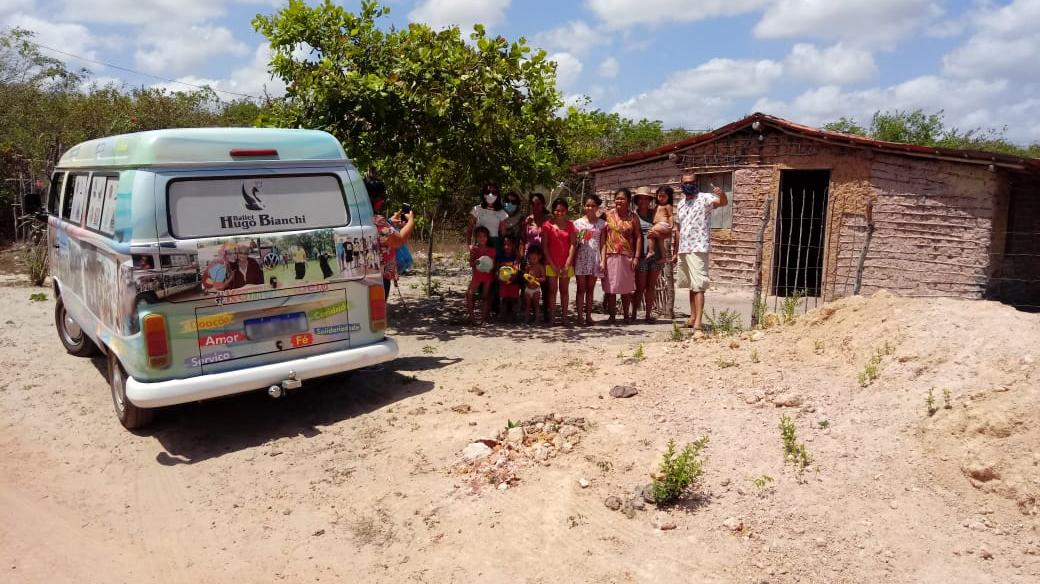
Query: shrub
x=794, y=451
x=790, y=305
x=725, y=323
x=678, y=472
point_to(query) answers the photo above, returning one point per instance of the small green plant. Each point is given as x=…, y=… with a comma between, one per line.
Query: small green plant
x=758, y=311
x=790, y=305
x=823, y=424
x=754, y=356
x=678, y=472
x=677, y=333
x=794, y=451
x=870, y=370
x=725, y=363
x=428, y=349
x=726, y=323
x=947, y=404
x=38, y=297
x=930, y=402
x=510, y=424
x=818, y=347
x=639, y=353
x=762, y=481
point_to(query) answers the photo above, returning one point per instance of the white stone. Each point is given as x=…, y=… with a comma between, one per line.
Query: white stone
x=733, y=524
x=476, y=451
x=584, y=483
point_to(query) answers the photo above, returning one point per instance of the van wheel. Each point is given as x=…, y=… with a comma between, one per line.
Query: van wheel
x=72, y=336
x=130, y=416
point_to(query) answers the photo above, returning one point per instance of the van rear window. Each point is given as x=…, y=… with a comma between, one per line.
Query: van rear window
x=215, y=207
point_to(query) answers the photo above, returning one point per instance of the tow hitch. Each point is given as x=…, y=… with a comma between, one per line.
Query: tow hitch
x=290, y=382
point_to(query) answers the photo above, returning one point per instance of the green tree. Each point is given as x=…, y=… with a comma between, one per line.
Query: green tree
x=593, y=134
x=434, y=115
x=929, y=129
x=845, y=126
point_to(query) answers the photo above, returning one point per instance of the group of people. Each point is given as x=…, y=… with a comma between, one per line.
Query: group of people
x=528, y=261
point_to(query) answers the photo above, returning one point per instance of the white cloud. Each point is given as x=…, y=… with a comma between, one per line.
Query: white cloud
x=575, y=37
x=177, y=50
x=965, y=104
x=568, y=69
x=143, y=12
x=250, y=79
x=702, y=97
x=12, y=6
x=67, y=37
x=836, y=64
x=464, y=13
x=874, y=22
x=609, y=68
x=1005, y=44
x=626, y=13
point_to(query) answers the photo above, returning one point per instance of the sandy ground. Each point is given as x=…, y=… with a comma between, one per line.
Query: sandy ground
x=359, y=478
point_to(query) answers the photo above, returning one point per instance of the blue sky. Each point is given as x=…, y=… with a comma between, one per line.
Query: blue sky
x=697, y=64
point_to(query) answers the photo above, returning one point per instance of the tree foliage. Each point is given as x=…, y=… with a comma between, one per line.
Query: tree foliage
x=593, y=134
x=433, y=114
x=929, y=129
x=46, y=108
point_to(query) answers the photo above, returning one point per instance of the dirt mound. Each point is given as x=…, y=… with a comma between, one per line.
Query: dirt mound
x=978, y=362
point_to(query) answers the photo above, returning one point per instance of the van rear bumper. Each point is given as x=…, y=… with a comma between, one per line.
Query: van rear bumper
x=178, y=391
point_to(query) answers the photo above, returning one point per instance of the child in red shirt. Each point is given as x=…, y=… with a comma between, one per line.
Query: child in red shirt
x=482, y=273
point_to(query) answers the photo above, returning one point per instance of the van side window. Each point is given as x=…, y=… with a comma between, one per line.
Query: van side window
x=100, y=212
x=54, y=194
x=75, y=198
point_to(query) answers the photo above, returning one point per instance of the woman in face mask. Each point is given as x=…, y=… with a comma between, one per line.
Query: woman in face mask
x=510, y=226
x=488, y=214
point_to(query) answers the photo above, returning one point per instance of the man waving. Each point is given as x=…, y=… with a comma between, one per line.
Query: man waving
x=693, y=221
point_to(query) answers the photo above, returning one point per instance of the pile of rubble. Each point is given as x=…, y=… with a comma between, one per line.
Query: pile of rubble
x=496, y=462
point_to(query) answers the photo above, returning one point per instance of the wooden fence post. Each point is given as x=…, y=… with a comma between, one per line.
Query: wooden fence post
x=759, y=243
x=866, y=246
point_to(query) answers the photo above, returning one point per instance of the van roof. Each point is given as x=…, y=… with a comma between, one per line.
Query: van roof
x=203, y=146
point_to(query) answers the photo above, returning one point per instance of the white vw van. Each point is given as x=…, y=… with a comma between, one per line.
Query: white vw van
x=207, y=262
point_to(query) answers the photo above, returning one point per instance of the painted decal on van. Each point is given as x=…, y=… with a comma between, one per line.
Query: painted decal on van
x=220, y=206
x=203, y=323
x=222, y=339
x=241, y=269
x=337, y=329
x=199, y=360
x=327, y=311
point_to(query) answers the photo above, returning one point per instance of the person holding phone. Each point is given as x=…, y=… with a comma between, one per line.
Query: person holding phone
x=388, y=238
x=693, y=222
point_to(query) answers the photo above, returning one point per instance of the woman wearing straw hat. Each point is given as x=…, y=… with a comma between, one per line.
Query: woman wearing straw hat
x=648, y=268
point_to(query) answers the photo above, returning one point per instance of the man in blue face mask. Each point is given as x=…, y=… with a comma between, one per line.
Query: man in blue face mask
x=693, y=225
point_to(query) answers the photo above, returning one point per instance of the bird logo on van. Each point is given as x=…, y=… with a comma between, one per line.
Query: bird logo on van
x=252, y=197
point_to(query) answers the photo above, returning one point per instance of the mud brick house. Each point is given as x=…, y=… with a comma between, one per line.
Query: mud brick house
x=846, y=211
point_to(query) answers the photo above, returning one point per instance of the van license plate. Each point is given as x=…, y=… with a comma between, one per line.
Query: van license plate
x=278, y=325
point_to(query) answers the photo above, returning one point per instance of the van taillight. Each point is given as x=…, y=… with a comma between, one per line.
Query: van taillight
x=156, y=342
x=376, y=308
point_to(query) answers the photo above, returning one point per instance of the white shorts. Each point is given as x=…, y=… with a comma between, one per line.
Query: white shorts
x=693, y=271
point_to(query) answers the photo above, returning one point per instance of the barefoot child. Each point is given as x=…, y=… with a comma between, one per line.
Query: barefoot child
x=507, y=266
x=664, y=218
x=481, y=259
x=533, y=278
x=586, y=263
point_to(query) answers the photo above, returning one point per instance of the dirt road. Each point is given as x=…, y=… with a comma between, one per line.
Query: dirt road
x=358, y=478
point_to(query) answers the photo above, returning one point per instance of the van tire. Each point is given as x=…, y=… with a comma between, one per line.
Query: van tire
x=71, y=334
x=130, y=416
